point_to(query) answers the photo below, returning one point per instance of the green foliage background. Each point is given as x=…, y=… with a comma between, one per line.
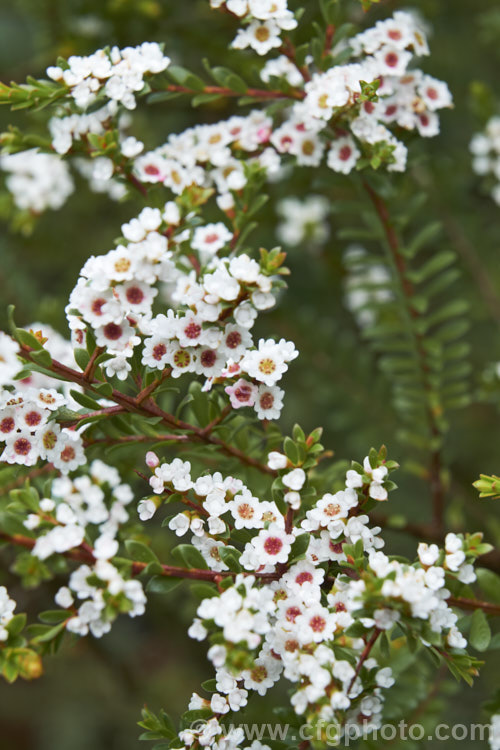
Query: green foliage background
x=90, y=696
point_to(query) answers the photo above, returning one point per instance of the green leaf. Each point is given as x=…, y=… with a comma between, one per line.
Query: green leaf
x=53, y=616
x=480, y=632
x=299, y=548
x=291, y=450
x=140, y=552
x=162, y=584
x=189, y=556
x=184, y=77
x=16, y=625
x=230, y=556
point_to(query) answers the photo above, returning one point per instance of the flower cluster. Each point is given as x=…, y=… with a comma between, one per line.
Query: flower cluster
x=286, y=617
x=264, y=20
x=36, y=180
x=408, y=98
x=217, y=301
x=7, y=607
x=29, y=431
x=94, y=506
x=105, y=594
x=495, y=732
x=304, y=220
x=367, y=285
x=97, y=499
x=118, y=73
x=485, y=149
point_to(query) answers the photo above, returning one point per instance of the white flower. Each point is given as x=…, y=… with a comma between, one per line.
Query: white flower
x=295, y=479
x=276, y=460
x=180, y=524
x=428, y=554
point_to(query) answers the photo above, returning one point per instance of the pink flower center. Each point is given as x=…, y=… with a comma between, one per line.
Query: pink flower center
x=210, y=238
x=67, y=454
x=317, y=624
x=22, y=447
x=304, y=577
x=151, y=169
x=245, y=510
x=292, y=613
x=159, y=351
x=243, y=393
x=273, y=545
x=33, y=418
x=266, y=401
x=391, y=59
x=192, y=330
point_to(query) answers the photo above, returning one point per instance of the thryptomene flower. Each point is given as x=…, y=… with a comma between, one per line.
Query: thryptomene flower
x=242, y=393
x=211, y=238
x=268, y=363
x=269, y=402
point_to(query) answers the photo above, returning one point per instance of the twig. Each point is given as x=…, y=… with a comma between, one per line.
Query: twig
x=364, y=656
x=84, y=553
x=150, y=409
x=435, y=468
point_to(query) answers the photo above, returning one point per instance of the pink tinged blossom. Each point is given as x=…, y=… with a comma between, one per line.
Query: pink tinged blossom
x=242, y=393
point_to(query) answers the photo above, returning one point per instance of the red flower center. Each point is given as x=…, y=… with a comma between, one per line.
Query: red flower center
x=304, y=577
x=33, y=418
x=134, y=295
x=192, y=330
x=208, y=358
x=67, y=454
x=7, y=424
x=113, y=331
x=317, y=623
x=233, y=339
x=292, y=613
x=391, y=59
x=345, y=153
x=266, y=401
x=159, y=351
x=22, y=447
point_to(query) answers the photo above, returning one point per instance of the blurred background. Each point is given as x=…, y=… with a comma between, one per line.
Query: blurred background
x=91, y=694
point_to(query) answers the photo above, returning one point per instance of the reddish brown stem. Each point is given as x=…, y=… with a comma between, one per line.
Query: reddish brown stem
x=224, y=91
x=364, y=656
x=150, y=409
x=435, y=467
x=84, y=553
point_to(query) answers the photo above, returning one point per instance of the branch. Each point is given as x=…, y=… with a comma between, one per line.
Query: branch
x=464, y=603
x=149, y=408
x=436, y=484
x=364, y=656
x=84, y=553
x=224, y=91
